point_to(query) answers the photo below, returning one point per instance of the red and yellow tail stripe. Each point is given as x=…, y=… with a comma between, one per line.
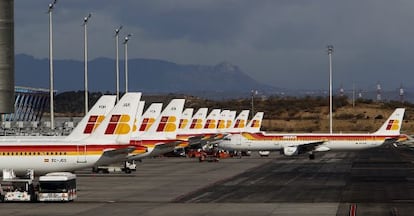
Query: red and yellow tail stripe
x=146, y=124
x=240, y=123
x=196, y=124
x=210, y=124
x=118, y=124
x=93, y=122
x=167, y=124
x=393, y=125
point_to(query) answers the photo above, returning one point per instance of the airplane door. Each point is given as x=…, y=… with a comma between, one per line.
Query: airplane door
x=81, y=149
x=238, y=141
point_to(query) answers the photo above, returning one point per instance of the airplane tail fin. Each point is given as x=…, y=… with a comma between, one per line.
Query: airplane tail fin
x=240, y=122
x=224, y=116
x=149, y=116
x=210, y=126
x=93, y=118
x=393, y=124
x=185, y=119
x=255, y=124
x=230, y=119
x=117, y=126
x=138, y=116
x=197, y=121
x=166, y=125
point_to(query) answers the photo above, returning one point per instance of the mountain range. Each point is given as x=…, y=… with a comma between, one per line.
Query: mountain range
x=152, y=76
x=146, y=75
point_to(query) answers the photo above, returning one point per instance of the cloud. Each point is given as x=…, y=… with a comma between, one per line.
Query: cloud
x=281, y=43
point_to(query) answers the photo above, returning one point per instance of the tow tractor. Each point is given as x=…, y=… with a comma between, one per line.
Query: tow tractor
x=210, y=155
x=127, y=167
x=17, y=190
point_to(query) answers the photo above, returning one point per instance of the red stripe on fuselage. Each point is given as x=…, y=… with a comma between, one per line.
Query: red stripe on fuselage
x=287, y=137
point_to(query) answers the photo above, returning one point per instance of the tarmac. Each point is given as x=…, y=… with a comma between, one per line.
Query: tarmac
x=371, y=182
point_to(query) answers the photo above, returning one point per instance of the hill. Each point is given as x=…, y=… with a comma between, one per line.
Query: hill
x=146, y=75
x=288, y=114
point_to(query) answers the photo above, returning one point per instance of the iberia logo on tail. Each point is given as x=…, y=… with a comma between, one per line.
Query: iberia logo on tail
x=196, y=124
x=255, y=123
x=167, y=124
x=93, y=122
x=210, y=124
x=118, y=124
x=183, y=123
x=146, y=124
x=393, y=125
x=240, y=123
x=221, y=124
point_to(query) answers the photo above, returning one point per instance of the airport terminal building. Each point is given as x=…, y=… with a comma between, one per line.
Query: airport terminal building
x=29, y=105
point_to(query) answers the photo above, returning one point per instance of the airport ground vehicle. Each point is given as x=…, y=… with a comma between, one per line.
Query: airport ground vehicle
x=127, y=167
x=57, y=187
x=211, y=155
x=194, y=153
x=17, y=190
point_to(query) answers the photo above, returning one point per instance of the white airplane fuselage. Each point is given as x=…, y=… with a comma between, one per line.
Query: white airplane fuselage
x=269, y=142
x=52, y=157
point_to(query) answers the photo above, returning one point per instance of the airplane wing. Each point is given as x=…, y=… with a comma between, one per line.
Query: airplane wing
x=306, y=147
x=114, y=155
x=195, y=140
x=159, y=149
x=163, y=148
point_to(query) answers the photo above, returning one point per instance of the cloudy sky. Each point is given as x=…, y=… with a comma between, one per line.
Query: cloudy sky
x=278, y=42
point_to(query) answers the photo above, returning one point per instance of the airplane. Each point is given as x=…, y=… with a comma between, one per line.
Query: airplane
x=210, y=129
x=222, y=121
x=294, y=144
x=185, y=119
x=160, y=138
x=202, y=129
x=255, y=123
x=148, y=118
x=107, y=144
x=193, y=133
x=230, y=118
x=239, y=123
x=84, y=128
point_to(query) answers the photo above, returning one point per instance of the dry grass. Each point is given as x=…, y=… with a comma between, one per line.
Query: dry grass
x=364, y=119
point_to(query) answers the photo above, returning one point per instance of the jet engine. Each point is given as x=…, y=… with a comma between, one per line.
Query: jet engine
x=290, y=150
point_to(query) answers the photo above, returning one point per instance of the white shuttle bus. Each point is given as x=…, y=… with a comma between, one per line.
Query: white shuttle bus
x=57, y=187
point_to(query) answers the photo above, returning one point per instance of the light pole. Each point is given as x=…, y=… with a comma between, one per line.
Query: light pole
x=254, y=92
x=126, y=61
x=117, y=61
x=330, y=51
x=85, y=23
x=52, y=120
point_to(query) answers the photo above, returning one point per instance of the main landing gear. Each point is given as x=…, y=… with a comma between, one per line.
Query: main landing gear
x=311, y=156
